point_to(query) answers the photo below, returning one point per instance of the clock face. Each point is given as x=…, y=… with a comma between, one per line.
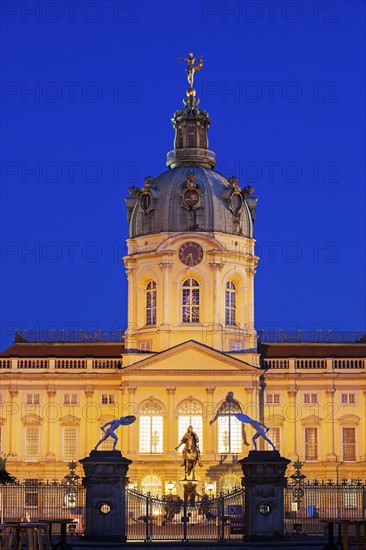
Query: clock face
x=190, y=253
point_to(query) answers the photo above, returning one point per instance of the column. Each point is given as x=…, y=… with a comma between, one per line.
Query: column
x=216, y=267
x=209, y=450
x=248, y=322
x=131, y=306
x=13, y=409
x=165, y=266
x=131, y=390
x=331, y=455
x=89, y=392
x=50, y=423
x=291, y=417
x=171, y=428
x=250, y=410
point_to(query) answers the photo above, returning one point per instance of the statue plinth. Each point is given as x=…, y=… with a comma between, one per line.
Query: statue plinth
x=264, y=481
x=105, y=481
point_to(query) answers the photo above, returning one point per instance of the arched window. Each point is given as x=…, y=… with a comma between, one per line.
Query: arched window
x=151, y=484
x=230, y=303
x=151, y=435
x=190, y=414
x=229, y=429
x=229, y=482
x=191, y=301
x=151, y=303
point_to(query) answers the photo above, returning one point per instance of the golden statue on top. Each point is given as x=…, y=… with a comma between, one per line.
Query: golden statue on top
x=192, y=68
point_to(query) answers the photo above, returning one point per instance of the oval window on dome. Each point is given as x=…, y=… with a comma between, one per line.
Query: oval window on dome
x=191, y=197
x=236, y=202
x=145, y=201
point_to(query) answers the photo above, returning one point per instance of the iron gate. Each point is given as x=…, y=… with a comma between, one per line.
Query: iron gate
x=172, y=518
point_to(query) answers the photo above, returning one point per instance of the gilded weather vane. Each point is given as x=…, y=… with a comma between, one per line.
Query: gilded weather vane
x=192, y=68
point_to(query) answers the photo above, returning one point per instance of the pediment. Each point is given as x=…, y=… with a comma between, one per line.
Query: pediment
x=191, y=357
x=312, y=419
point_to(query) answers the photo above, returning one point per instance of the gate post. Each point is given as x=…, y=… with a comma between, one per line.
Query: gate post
x=106, y=507
x=264, y=481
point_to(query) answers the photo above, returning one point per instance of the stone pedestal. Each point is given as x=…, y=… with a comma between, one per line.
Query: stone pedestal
x=264, y=481
x=106, y=507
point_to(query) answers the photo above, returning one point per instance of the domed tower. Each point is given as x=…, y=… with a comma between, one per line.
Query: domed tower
x=190, y=261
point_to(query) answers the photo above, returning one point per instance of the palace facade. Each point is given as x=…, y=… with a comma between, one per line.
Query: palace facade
x=190, y=350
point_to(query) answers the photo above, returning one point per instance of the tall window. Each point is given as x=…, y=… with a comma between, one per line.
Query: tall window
x=349, y=444
x=151, y=435
x=229, y=429
x=230, y=303
x=191, y=301
x=274, y=435
x=190, y=414
x=151, y=303
x=70, y=438
x=31, y=442
x=311, y=443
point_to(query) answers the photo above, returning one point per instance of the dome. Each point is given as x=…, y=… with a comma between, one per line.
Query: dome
x=190, y=198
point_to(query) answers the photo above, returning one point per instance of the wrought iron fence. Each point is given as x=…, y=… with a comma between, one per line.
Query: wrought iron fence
x=173, y=518
x=308, y=503
x=39, y=501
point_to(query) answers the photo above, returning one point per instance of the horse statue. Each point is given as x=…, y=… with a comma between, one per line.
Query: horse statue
x=190, y=454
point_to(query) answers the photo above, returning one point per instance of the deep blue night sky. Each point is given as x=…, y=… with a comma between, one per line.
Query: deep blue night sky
x=284, y=83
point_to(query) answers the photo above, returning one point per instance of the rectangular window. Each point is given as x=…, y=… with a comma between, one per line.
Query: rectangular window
x=145, y=345
x=30, y=498
x=273, y=398
x=70, y=438
x=32, y=399
x=349, y=444
x=32, y=443
x=151, y=434
x=70, y=398
x=274, y=435
x=310, y=398
x=311, y=443
x=348, y=398
x=108, y=399
x=236, y=346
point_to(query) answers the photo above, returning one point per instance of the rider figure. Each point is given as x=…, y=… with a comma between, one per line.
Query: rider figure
x=190, y=441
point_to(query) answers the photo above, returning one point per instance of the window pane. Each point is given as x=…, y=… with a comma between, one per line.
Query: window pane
x=144, y=434
x=274, y=436
x=229, y=434
x=31, y=442
x=349, y=444
x=190, y=301
x=70, y=442
x=311, y=443
x=156, y=434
